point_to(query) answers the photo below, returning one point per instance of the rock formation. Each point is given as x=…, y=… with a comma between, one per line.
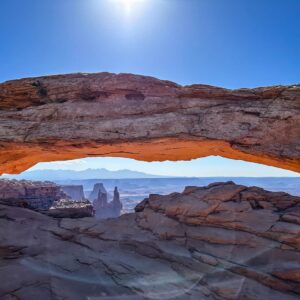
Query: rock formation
x=75, y=192
x=223, y=241
x=98, y=187
x=104, y=209
x=66, y=208
x=116, y=202
x=79, y=115
x=100, y=202
x=31, y=194
x=46, y=197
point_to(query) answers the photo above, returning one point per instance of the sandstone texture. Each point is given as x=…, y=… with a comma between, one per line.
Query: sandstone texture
x=79, y=115
x=46, y=197
x=32, y=194
x=66, y=208
x=223, y=241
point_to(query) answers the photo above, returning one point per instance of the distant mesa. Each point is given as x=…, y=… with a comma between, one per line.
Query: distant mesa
x=46, y=197
x=75, y=192
x=103, y=208
x=34, y=195
x=60, y=201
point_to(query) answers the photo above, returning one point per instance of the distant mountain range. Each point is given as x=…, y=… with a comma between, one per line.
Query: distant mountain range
x=55, y=175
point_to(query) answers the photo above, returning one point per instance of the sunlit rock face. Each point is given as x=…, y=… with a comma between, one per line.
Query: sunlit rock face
x=122, y=115
x=75, y=192
x=223, y=241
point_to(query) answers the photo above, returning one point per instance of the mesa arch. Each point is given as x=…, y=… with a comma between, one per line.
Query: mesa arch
x=79, y=115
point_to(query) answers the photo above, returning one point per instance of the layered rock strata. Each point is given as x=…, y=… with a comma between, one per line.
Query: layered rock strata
x=46, y=197
x=32, y=194
x=79, y=115
x=223, y=241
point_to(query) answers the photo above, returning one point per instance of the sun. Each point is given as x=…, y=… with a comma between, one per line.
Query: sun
x=129, y=5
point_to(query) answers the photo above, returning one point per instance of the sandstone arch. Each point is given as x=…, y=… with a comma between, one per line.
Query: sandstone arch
x=78, y=115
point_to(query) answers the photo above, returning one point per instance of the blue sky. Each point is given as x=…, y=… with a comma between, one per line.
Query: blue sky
x=229, y=43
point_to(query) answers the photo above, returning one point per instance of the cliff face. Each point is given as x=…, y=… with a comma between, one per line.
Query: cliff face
x=223, y=241
x=75, y=192
x=78, y=115
x=31, y=194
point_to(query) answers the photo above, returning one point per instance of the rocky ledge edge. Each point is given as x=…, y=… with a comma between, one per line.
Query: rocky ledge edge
x=222, y=241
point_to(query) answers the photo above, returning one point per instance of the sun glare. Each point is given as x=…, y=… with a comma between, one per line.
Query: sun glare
x=129, y=5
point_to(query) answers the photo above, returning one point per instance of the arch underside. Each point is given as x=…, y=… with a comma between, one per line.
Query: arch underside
x=87, y=115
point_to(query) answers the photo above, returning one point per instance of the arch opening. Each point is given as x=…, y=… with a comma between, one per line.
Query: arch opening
x=144, y=118
x=135, y=180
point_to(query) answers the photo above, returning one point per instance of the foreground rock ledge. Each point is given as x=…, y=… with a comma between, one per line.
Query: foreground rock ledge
x=79, y=115
x=223, y=241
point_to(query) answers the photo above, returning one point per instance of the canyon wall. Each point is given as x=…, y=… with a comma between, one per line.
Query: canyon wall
x=85, y=115
x=32, y=194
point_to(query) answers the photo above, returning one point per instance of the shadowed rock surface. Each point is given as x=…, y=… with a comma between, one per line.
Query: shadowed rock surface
x=223, y=241
x=75, y=192
x=104, y=209
x=98, y=187
x=32, y=194
x=79, y=115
